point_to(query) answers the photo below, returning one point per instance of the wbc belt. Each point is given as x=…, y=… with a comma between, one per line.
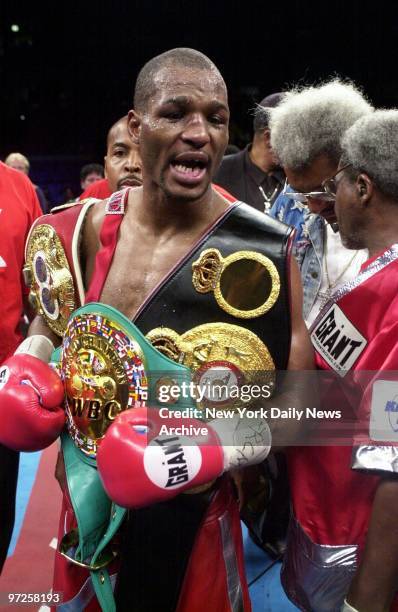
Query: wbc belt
x=108, y=366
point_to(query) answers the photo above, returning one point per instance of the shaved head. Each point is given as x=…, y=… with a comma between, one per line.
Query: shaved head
x=188, y=58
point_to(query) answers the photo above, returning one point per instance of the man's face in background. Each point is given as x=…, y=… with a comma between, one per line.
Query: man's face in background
x=122, y=160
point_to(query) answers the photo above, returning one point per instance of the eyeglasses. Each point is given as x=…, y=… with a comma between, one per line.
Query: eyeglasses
x=330, y=184
x=300, y=196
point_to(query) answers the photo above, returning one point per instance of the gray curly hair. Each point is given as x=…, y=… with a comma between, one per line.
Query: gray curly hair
x=312, y=120
x=371, y=146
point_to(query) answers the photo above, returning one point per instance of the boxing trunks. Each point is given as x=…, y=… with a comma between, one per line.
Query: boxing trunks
x=225, y=304
x=333, y=487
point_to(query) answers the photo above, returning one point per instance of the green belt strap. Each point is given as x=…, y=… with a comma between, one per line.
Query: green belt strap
x=97, y=519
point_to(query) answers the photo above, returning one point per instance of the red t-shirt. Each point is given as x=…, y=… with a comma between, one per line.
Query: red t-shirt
x=99, y=189
x=19, y=207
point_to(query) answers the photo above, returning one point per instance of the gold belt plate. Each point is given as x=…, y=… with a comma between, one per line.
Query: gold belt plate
x=219, y=354
x=103, y=371
x=245, y=284
x=47, y=274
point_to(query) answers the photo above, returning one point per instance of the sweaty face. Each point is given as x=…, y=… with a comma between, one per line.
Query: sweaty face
x=122, y=161
x=310, y=179
x=184, y=131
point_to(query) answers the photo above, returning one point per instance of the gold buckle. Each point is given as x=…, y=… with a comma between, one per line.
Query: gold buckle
x=71, y=540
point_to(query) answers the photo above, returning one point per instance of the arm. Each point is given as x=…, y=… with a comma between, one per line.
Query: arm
x=298, y=390
x=375, y=583
x=251, y=435
x=301, y=352
x=40, y=327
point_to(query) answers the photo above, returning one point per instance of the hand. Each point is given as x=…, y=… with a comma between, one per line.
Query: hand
x=31, y=396
x=140, y=465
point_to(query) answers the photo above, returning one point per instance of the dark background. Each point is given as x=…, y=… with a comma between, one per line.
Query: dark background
x=68, y=73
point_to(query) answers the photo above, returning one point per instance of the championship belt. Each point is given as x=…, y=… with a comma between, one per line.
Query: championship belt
x=223, y=358
x=47, y=273
x=52, y=268
x=107, y=366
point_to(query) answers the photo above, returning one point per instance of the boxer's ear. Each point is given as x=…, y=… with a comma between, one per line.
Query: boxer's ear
x=134, y=126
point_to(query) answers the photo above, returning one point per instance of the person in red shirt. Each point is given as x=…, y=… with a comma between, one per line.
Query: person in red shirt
x=19, y=207
x=100, y=189
x=343, y=546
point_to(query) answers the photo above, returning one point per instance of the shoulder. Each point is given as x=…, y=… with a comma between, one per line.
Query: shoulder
x=286, y=208
x=83, y=219
x=234, y=158
x=229, y=162
x=73, y=219
x=290, y=211
x=72, y=209
x=94, y=219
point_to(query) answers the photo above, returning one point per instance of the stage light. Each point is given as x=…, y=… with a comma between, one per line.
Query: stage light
x=15, y=27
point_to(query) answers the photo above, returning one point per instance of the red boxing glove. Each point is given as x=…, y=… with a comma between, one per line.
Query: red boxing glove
x=140, y=466
x=31, y=397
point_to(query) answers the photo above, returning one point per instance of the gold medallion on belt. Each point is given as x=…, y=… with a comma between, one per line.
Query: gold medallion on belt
x=245, y=284
x=47, y=274
x=103, y=371
x=222, y=357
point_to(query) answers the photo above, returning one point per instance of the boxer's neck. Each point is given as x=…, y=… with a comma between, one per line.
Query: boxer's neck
x=163, y=215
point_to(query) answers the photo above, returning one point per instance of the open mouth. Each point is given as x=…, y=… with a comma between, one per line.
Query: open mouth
x=189, y=168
